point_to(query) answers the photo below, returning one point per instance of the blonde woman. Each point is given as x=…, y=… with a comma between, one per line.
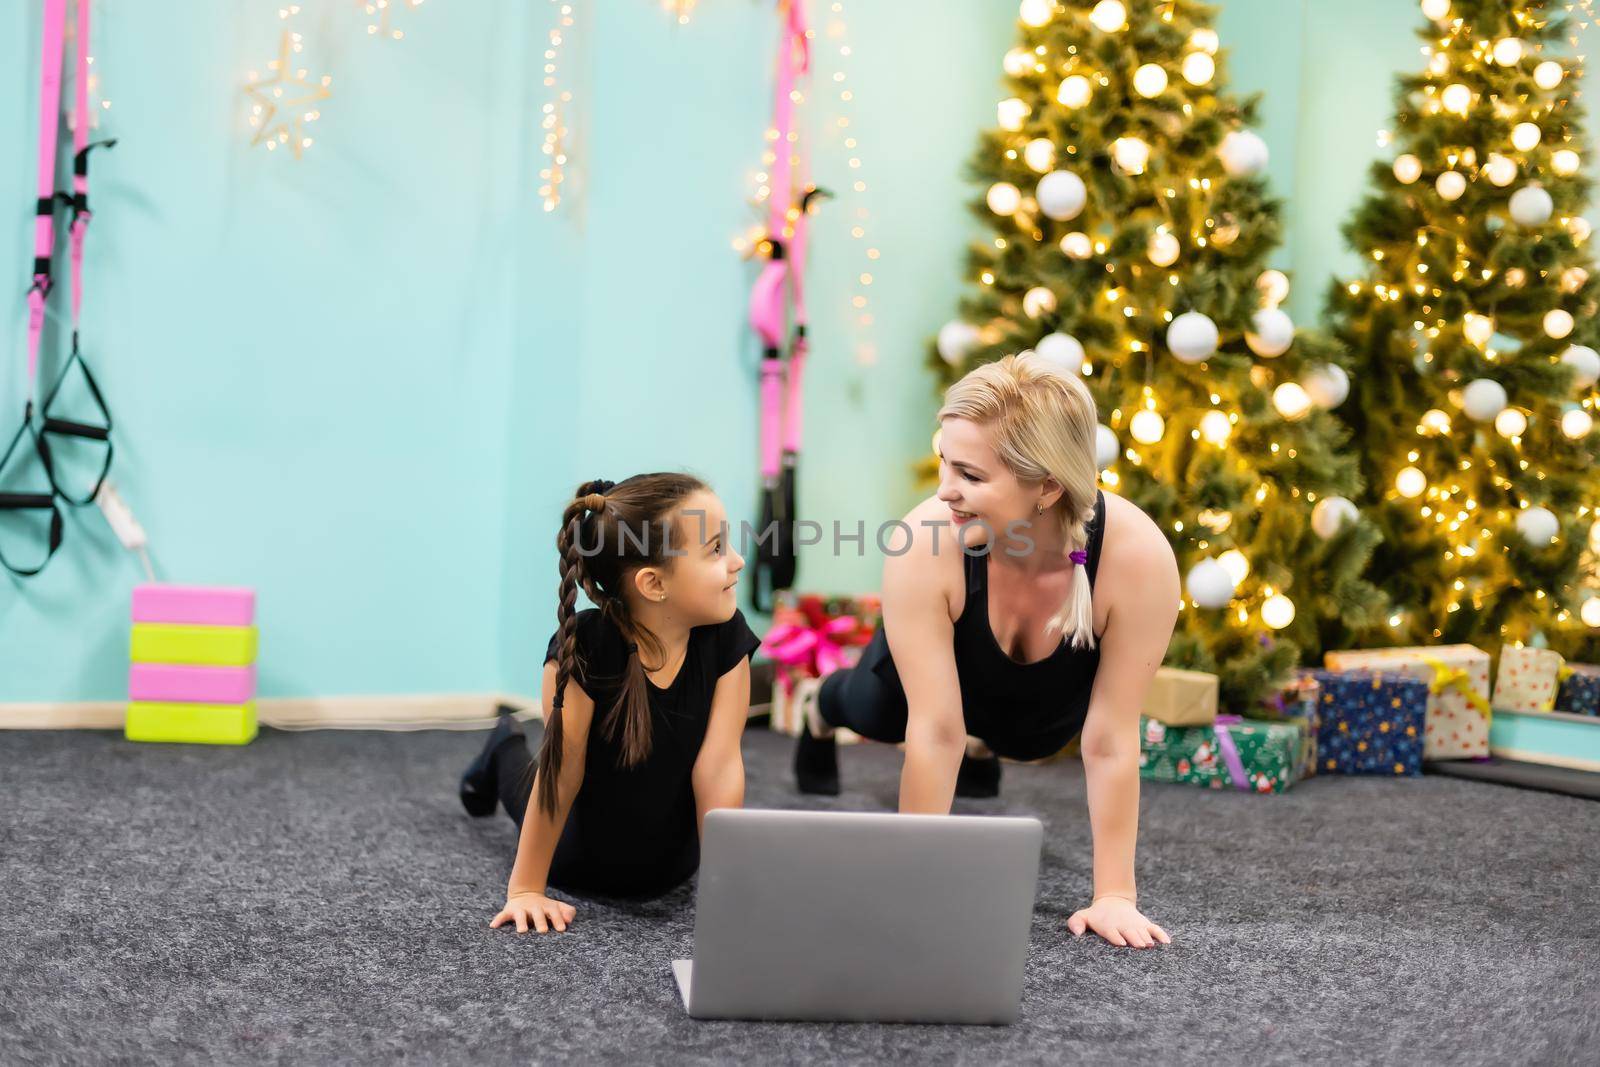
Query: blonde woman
x=1028, y=607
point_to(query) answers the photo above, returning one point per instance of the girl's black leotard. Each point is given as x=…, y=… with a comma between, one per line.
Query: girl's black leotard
x=632, y=830
x=1020, y=710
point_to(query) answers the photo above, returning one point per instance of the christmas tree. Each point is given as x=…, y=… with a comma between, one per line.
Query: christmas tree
x=1131, y=225
x=1470, y=335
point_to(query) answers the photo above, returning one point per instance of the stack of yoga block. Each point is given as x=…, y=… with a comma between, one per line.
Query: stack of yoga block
x=193, y=676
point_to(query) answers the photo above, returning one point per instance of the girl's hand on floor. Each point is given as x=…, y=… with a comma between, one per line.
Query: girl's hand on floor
x=544, y=913
x=1119, y=922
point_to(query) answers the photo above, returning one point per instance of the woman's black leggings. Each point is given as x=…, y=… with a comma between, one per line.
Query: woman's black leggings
x=575, y=866
x=859, y=700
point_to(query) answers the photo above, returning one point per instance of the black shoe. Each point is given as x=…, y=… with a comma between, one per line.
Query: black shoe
x=816, y=764
x=479, y=787
x=978, y=777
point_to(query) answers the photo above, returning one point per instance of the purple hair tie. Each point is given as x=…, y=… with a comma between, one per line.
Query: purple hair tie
x=1080, y=557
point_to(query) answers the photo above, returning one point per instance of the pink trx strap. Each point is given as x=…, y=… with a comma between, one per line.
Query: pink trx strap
x=27, y=437
x=776, y=303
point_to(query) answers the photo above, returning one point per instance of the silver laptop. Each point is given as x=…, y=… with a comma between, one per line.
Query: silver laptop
x=835, y=916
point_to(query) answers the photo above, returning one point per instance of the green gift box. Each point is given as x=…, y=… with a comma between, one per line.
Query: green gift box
x=1251, y=756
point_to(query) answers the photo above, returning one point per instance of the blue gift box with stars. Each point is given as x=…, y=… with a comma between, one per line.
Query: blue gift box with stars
x=1580, y=691
x=1372, y=723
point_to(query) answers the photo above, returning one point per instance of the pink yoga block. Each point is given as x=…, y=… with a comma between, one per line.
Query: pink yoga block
x=194, y=605
x=163, y=683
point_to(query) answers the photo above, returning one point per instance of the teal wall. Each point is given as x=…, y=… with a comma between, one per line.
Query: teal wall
x=365, y=383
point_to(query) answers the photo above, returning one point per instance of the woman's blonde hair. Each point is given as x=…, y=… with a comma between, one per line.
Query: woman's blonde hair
x=1042, y=422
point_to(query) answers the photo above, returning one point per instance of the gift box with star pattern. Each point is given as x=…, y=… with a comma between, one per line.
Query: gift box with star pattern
x=1457, y=677
x=1234, y=753
x=1580, y=690
x=1372, y=723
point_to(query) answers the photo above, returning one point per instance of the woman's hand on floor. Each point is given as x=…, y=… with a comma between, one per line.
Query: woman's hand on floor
x=1119, y=922
x=544, y=913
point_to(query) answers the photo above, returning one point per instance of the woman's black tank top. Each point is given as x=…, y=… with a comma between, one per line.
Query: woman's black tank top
x=1020, y=710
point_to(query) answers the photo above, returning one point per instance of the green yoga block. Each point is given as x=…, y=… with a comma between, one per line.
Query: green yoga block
x=194, y=724
x=210, y=646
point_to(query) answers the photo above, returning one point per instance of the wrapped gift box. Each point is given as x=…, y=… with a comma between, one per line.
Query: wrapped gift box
x=1372, y=722
x=791, y=698
x=1580, y=690
x=1181, y=698
x=811, y=637
x=1527, y=679
x=1457, y=677
x=1298, y=701
x=1252, y=756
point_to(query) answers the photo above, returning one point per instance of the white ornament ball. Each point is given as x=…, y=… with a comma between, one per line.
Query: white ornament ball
x=1150, y=80
x=1332, y=514
x=1435, y=9
x=1291, y=400
x=1106, y=446
x=1508, y=51
x=1407, y=168
x=1271, y=333
x=1130, y=154
x=1410, y=483
x=1061, y=195
x=1236, y=564
x=1277, y=611
x=1109, y=16
x=1525, y=136
x=1585, y=364
x=1451, y=184
x=1036, y=12
x=1039, y=154
x=1243, y=154
x=1566, y=162
x=1590, y=612
x=1038, y=301
x=1077, y=245
x=1531, y=206
x=1477, y=328
x=1558, y=323
x=1273, y=286
x=1578, y=226
x=1576, y=423
x=1012, y=113
x=1163, y=249
x=956, y=341
x=1483, y=399
x=1456, y=98
x=1548, y=75
x=1199, y=68
x=1206, y=40
x=1216, y=427
x=1500, y=170
x=1075, y=91
x=1061, y=349
x=1209, y=584
x=1510, y=423
x=1192, y=337
x=1328, y=385
x=1004, y=198
x=1018, y=61
x=1538, y=526
x=1147, y=427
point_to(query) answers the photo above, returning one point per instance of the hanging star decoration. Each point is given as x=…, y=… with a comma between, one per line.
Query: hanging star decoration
x=383, y=12
x=285, y=100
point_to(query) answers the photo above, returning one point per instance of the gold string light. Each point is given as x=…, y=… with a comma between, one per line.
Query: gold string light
x=840, y=51
x=680, y=9
x=97, y=102
x=383, y=12
x=555, y=110
x=285, y=101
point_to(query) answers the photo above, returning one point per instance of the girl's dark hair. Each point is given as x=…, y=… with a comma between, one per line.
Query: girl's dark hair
x=608, y=532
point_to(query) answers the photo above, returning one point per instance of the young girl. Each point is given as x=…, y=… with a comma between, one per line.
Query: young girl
x=1029, y=606
x=645, y=699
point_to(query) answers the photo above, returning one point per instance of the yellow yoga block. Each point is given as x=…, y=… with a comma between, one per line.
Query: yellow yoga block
x=195, y=724
x=210, y=646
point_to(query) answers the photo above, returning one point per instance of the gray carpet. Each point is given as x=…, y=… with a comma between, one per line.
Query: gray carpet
x=319, y=897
